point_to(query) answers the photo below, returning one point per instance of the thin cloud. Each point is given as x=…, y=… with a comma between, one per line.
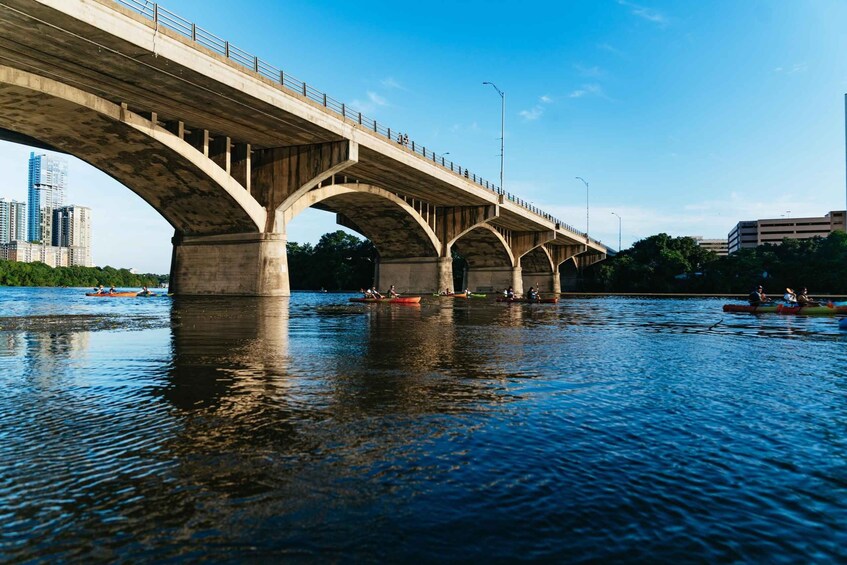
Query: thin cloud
x=532, y=114
x=588, y=90
x=795, y=68
x=590, y=72
x=536, y=111
x=389, y=82
x=611, y=49
x=652, y=16
x=377, y=99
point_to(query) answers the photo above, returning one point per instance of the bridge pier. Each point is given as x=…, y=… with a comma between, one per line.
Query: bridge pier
x=495, y=278
x=251, y=264
x=543, y=282
x=415, y=275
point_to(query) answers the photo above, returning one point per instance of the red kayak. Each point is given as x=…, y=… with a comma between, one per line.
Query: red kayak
x=553, y=300
x=397, y=300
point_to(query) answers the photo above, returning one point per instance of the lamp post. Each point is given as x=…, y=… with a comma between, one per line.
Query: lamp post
x=502, y=130
x=619, y=232
x=586, y=204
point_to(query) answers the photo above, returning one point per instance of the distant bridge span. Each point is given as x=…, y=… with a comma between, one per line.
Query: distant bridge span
x=229, y=150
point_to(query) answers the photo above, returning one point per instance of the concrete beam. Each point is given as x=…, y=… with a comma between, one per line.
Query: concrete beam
x=452, y=222
x=280, y=175
x=241, y=164
x=524, y=242
x=220, y=152
x=199, y=140
x=561, y=253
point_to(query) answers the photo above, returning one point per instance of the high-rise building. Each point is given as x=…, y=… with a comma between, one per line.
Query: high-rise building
x=47, y=188
x=72, y=229
x=12, y=221
x=752, y=233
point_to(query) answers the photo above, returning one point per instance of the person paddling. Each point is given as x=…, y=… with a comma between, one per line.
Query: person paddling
x=804, y=300
x=758, y=297
x=790, y=297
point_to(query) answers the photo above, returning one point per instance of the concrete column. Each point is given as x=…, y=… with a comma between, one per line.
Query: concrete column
x=490, y=279
x=251, y=264
x=556, y=283
x=445, y=273
x=517, y=280
x=415, y=275
x=543, y=282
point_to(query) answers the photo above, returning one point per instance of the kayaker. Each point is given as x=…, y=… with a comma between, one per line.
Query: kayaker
x=99, y=289
x=790, y=297
x=510, y=293
x=758, y=296
x=144, y=291
x=804, y=300
x=392, y=293
x=375, y=293
x=112, y=290
x=532, y=295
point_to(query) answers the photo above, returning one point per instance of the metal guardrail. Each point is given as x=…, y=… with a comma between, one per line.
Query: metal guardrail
x=163, y=17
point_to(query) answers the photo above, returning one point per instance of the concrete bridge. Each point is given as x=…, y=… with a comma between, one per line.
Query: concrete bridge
x=229, y=149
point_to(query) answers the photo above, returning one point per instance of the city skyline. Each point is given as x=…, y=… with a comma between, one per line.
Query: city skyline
x=684, y=119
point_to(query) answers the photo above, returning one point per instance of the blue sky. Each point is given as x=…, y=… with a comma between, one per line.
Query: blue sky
x=684, y=117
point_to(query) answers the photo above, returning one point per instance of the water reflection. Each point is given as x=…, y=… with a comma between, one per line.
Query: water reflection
x=247, y=429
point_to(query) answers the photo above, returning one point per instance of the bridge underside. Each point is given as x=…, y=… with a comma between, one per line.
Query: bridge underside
x=229, y=158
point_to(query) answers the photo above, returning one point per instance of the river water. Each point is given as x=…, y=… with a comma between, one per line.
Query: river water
x=313, y=429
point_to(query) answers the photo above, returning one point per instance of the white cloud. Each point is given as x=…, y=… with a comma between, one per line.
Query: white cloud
x=546, y=99
x=795, y=68
x=533, y=114
x=590, y=72
x=389, y=82
x=611, y=49
x=653, y=16
x=377, y=99
x=588, y=90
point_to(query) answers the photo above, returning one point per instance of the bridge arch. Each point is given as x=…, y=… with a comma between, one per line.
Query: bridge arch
x=187, y=188
x=406, y=242
x=393, y=226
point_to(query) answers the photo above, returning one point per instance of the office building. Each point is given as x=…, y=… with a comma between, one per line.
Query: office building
x=752, y=233
x=72, y=229
x=12, y=221
x=719, y=246
x=46, y=192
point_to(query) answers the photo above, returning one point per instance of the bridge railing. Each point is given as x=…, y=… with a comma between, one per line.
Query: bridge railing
x=165, y=18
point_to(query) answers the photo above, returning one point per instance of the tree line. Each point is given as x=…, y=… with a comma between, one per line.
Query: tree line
x=661, y=263
x=13, y=273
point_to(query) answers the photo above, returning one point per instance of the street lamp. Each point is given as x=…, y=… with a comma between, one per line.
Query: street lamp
x=502, y=130
x=619, y=232
x=586, y=204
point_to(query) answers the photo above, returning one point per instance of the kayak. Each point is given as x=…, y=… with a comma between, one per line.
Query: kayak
x=783, y=309
x=398, y=300
x=477, y=295
x=112, y=294
x=553, y=300
x=453, y=295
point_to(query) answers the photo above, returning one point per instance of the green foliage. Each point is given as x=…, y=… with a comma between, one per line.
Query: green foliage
x=339, y=261
x=13, y=273
x=662, y=263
